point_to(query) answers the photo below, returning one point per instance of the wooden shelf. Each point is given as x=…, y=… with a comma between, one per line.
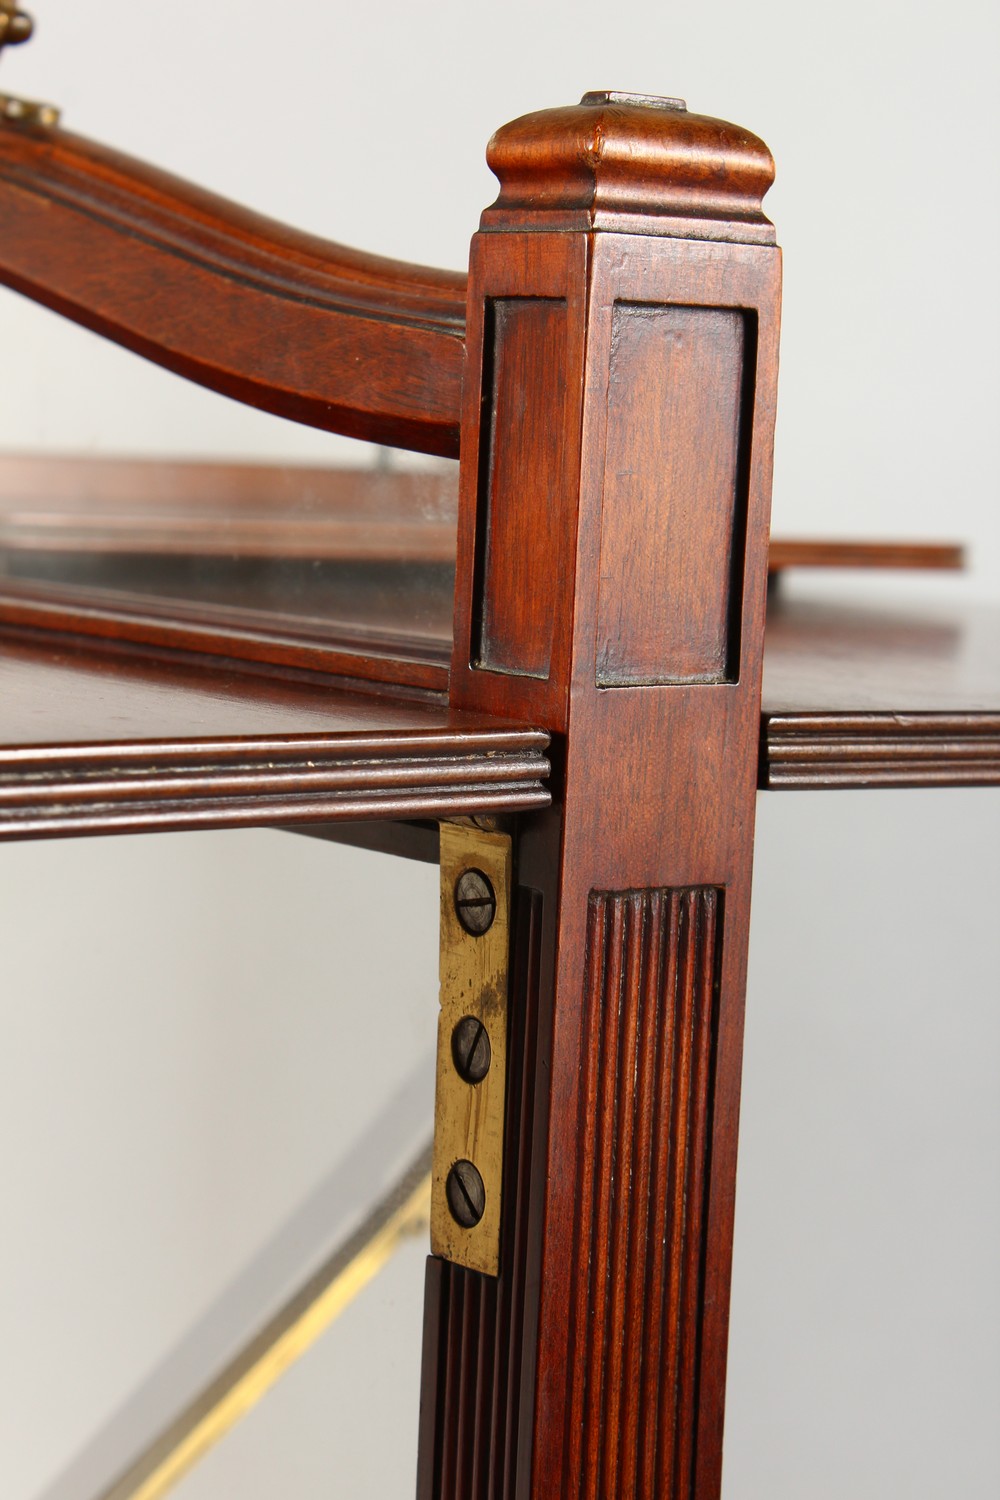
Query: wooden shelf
x=342, y=570
x=99, y=740
x=95, y=741
x=165, y=508
x=863, y=694
x=787, y=553
x=76, y=503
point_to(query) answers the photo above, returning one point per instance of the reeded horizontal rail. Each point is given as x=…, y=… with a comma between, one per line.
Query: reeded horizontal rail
x=817, y=751
x=282, y=320
x=97, y=741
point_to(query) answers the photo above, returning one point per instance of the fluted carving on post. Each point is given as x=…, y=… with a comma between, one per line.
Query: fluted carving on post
x=642, y=1168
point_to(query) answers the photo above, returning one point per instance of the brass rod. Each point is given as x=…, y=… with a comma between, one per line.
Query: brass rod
x=404, y=1212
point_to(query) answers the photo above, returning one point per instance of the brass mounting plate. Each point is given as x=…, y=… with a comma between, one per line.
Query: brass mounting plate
x=469, y=1117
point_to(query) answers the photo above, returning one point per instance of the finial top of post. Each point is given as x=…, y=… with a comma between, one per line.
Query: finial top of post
x=633, y=163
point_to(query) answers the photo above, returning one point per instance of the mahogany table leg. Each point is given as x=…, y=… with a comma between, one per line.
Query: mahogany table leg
x=615, y=486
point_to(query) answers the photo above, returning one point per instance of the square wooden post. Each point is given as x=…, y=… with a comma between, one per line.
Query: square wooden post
x=615, y=489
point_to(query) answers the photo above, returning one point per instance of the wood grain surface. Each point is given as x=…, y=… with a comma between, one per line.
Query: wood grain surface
x=170, y=507
x=691, y=362
x=863, y=692
x=376, y=648
x=97, y=742
x=654, y=785
x=619, y=330
x=631, y=163
x=642, y=1144
x=279, y=319
x=891, y=556
x=116, y=504
x=351, y=571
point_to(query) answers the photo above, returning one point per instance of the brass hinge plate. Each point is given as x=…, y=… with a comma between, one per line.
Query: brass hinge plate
x=467, y=1176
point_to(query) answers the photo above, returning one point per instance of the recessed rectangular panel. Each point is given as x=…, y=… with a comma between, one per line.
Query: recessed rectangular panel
x=522, y=481
x=672, y=520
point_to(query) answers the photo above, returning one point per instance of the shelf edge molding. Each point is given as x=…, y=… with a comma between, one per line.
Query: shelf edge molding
x=71, y=790
x=814, y=751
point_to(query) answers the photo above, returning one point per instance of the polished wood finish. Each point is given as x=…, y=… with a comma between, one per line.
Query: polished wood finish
x=657, y=757
x=285, y=321
x=193, y=746
x=69, y=515
x=374, y=551
x=59, y=502
x=620, y=344
x=866, y=693
x=788, y=552
x=78, y=503
x=344, y=570
x=381, y=653
x=691, y=361
x=525, y=475
x=868, y=654
x=100, y=742
x=643, y=1133
x=820, y=752
x=631, y=163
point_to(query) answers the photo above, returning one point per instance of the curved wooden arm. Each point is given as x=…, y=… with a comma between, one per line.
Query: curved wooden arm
x=282, y=320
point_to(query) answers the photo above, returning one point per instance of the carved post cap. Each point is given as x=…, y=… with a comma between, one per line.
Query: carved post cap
x=631, y=163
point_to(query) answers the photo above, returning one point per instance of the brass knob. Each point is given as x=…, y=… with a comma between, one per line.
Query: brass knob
x=15, y=25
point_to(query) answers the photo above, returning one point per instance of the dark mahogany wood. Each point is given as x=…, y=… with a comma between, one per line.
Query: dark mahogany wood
x=619, y=332
x=76, y=502
x=823, y=751
x=347, y=571
x=871, y=694
x=643, y=1132
x=692, y=363
x=285, y=321
x=895, y=556
x=382, y=654
x=67, y=512
x=634, y=345
x=161, y=507
x=626, y=162
x=420, y=841
x=98, y=742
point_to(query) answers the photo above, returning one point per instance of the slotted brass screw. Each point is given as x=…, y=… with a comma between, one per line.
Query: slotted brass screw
x=466, y=1194
x=475, y=902
x=470, y=1049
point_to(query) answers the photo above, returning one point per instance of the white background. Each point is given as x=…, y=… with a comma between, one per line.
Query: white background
x=187, y=1020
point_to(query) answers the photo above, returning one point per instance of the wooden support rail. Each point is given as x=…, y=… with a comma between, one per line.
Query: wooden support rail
x=282, y=320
